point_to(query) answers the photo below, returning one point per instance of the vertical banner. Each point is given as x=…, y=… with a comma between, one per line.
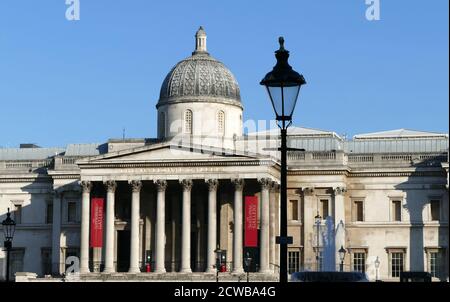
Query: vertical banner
x=251, y=221
x=97, y=222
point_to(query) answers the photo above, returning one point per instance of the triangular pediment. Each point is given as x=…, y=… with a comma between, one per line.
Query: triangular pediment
x=172, y=152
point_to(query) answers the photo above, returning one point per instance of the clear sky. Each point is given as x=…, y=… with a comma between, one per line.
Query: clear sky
x=84, y=81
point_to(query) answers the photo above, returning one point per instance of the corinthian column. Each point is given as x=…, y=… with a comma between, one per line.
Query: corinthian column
x=186, y=227
x=111, y=186
x=136, y=186
x=84, y=244
x=212, y=224
x=237, y=231
x=264, y=246
x=161, y=186
x=273, y=209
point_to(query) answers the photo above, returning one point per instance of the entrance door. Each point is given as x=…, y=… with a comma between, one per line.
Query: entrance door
x=123, y=251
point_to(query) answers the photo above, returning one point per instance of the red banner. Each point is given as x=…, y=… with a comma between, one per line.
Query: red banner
x=251, y=221
x=97, y=222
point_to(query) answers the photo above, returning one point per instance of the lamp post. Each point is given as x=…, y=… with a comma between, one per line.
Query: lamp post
x=248, y=262
x=342, y=252
x=283, y=86
x=377, y=266
x=9, y=226
x=318, y=220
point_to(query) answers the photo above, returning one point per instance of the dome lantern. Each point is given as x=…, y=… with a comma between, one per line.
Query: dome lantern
x=200, y=41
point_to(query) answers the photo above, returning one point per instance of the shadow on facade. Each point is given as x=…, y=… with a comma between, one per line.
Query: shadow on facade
x=416, y=204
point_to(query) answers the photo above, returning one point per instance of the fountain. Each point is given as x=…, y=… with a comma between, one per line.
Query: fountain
x=332, y=239
x=328, y=246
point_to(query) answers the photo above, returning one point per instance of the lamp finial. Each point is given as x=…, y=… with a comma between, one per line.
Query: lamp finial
x=281, y=41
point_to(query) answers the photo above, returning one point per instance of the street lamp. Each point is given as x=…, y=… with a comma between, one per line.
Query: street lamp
x=318, y=220
x=248, y=262
x=9, y=226
x=283, y=86
x=342, y=252
x=377, y=266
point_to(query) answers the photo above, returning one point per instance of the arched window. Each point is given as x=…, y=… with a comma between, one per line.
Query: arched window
x=188, y=121
x=221, y=122
x=162, y=124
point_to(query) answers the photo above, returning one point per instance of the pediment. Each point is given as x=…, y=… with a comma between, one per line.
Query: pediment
x=171, y=152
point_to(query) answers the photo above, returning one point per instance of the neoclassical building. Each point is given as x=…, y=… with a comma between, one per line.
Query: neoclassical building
x=173, y=200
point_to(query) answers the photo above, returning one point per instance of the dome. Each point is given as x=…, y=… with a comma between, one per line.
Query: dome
x=200, y=77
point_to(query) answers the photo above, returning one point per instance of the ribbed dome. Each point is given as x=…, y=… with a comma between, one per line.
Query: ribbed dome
x=200, y=75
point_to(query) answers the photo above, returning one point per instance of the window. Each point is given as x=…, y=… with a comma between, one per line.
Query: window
x=221, y=122
x=396, y=210
x=320, y=261
x=359, y=262
x=49, y=213
x=324, y=208
x=434, y=256
x=435, y=210
x=293, y=261
x=71, y=211
x=434, y=264
x=162, y=124
x=188, y=122
x=293, y=210
x=46, y=260
x=18, y=213
x=16, y=262
x=358, y=211
x=397, y=263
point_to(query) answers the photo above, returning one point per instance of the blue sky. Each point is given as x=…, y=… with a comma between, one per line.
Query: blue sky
x=84, y=81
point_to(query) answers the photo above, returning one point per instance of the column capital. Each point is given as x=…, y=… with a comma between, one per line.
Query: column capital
x=238, y=183
x=212, y=184
x=265, y=183
x=186, y=184
x=86, y=186
x=308, y=191
x=161, y=184
x=110, y=185
x=136, y=185
x=274, y=187
x=339, y=190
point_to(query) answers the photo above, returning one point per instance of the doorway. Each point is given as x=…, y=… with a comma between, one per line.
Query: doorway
x=123, y=250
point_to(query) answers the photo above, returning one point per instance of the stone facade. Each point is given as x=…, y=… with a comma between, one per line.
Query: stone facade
x=380, y=195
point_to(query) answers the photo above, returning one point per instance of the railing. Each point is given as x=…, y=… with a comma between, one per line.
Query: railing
x=399, y=158
x=26, y=164
x=360, y=158
x=324, y=155
x=69, y=160
x=295, y=155
x=396, y=157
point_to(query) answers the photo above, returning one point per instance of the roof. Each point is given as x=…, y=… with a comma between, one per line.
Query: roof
x=295, y=131
x=399, y=133
x=83, y=150
x=29, y=153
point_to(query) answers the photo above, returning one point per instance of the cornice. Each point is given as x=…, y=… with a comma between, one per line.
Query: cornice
x=102, y=165
x=398, y=174
x=318, y=172
x=26, y=179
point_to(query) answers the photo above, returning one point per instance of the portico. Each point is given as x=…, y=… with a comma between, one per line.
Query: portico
x=178, y=209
